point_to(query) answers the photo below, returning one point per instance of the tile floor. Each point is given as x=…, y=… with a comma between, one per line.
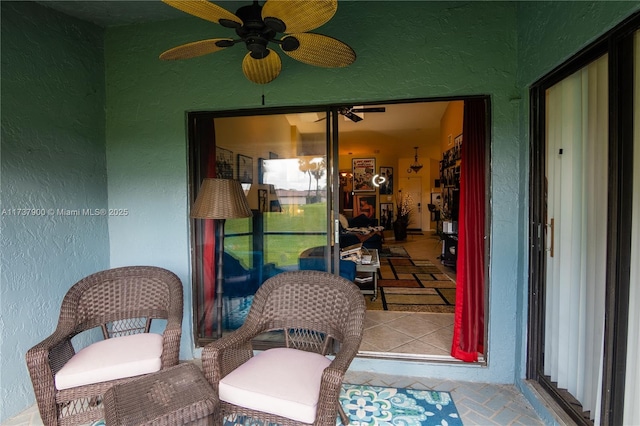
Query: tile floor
x=478, y=403
x=426, y=336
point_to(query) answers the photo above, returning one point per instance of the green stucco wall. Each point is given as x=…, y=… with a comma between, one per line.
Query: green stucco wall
x=63, y=133
x=53, y=157
x=405, y=50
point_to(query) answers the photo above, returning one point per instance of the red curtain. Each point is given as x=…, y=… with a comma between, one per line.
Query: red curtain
x=209, y=251
x=468, y=332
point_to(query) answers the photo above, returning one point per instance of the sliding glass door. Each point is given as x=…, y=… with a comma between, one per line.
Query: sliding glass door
x=286, y=178
x=576, y=174
x=632, y=375
x=583, y=332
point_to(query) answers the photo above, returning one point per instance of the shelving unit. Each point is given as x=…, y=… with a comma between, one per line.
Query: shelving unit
x=366, y=271
x=450, y=181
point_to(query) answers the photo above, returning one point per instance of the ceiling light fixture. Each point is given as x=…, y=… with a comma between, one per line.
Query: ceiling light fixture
x=416, y=166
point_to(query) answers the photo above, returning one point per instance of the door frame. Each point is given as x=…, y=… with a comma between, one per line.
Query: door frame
x=618, y=43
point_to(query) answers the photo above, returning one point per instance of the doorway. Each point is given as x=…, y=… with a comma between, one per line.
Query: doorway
x=290, y=160
x=413, y=189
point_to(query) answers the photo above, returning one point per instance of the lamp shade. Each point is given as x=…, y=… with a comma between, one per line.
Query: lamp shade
x=220, y=199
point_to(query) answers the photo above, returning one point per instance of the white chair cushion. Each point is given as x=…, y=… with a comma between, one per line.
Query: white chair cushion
x=111, y=359
x=280, y=381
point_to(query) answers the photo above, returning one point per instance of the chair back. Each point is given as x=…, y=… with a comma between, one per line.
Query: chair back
x=315, y=309
x=122, y=301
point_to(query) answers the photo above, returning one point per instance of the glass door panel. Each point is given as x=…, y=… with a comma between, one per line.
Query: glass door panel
x=283, y=170
x=576, y=211
x=632, y=377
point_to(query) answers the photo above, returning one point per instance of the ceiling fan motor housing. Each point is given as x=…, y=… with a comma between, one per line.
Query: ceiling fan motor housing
x=254, y=31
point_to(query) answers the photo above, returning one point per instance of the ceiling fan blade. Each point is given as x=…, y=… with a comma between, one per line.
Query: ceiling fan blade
x=371, y=109
x=319, y=50
x=351, y=116
x=298, y=16
x=262, y=71
x=208, y=11
x=194, y=49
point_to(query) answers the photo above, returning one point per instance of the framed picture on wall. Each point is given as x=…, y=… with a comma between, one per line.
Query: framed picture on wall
x=365, y=204
x=386, y=215
x=224, y=163
x=245, y=169
x=386, y=187
x=363, y=170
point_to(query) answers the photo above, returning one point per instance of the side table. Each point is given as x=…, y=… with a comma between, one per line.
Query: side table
x=369, y=272
x=179, y=395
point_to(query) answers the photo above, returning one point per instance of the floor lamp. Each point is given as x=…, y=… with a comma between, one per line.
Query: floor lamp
x=220, y=199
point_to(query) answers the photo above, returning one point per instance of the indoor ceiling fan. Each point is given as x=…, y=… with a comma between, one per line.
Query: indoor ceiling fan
x=352, y=112
x=258, y=26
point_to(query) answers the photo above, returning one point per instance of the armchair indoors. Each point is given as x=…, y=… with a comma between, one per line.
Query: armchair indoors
x=122, y=303
x=318, y=314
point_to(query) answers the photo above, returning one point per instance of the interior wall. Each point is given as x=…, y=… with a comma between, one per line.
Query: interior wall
x=53, y=167
x=451, y=124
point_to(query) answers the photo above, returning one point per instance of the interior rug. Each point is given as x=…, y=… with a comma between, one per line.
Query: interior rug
x=373, y=405
x=412, y=285
x=393, y=251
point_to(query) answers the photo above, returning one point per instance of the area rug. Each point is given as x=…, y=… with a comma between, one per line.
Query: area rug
x=413, y=285
x=393, y=251
x=372, y=405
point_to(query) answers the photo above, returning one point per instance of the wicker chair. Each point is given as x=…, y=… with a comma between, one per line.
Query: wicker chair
x=318, y=314
x=122, y=302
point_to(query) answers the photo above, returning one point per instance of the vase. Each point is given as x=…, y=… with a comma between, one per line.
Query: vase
x=400, y=230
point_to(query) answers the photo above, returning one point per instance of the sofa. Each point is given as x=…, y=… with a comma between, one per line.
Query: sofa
x=361, y=229
x=313, y=259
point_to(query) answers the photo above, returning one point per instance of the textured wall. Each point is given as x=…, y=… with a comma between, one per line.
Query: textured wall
x=405, y=50
x=550, y=32
x=53, y=150
x=53, y=157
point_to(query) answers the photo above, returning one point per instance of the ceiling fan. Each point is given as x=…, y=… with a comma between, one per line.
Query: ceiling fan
x=352, y=112
x=258, y=26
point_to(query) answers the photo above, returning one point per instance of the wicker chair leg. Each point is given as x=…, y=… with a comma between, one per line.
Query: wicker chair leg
x=343, y=415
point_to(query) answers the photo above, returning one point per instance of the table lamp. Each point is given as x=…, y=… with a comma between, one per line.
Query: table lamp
x=220, y=199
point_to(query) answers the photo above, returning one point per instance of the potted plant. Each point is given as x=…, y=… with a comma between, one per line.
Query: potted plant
x=404, y=206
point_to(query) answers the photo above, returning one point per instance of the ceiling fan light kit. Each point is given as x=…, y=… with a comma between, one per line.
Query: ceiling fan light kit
x=257, y=26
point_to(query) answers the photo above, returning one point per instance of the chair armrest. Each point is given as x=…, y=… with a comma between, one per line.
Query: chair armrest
x=334, y=373
x=44, y=360
x=226, y=354
x=332, y=378
x=345, y=355
x=171, y=344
